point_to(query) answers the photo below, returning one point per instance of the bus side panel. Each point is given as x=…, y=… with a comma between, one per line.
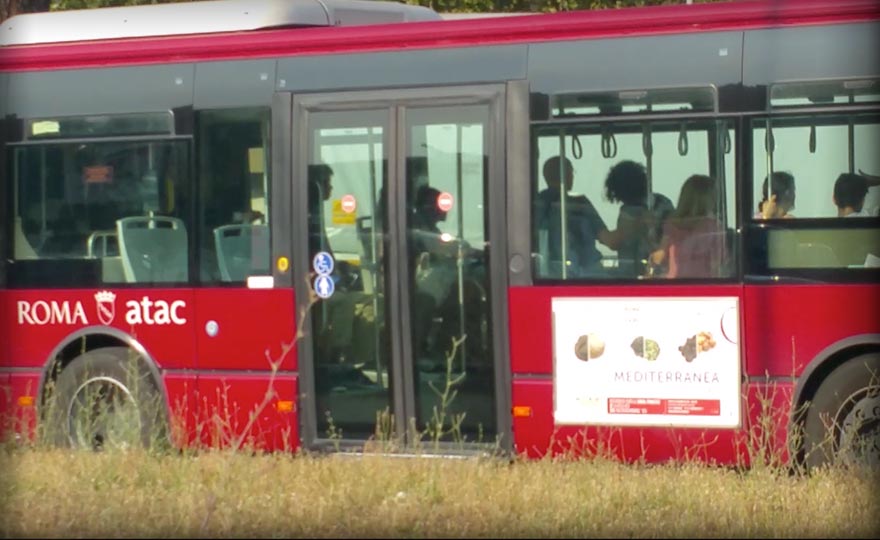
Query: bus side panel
x=24, y=390
x=160, y=320
x=536, y=435
x=7, y=404
x=5, y=364
x=245, y=329
x=531, y=332
x=768, y=403
x=180, y=391
x=531, y=348
x=786, y=326
x=248, y=411
x=533, y=426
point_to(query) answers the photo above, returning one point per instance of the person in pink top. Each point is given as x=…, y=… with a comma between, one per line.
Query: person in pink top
x=693, y=240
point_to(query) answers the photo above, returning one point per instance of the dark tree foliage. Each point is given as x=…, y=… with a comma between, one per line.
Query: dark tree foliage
x=8, y=8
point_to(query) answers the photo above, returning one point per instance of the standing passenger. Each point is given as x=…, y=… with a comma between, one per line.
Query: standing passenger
x=693, y=237
x=640, y=221
x=582, y=222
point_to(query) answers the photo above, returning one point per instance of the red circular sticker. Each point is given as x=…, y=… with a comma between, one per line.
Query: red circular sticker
x=348, y=204
x=444, y=201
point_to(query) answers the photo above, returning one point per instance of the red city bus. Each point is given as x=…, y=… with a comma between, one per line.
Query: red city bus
x=318, y=225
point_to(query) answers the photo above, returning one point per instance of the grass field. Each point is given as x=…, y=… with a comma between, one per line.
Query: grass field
x=53, y=493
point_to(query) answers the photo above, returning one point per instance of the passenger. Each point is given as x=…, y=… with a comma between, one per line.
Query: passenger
x=433, y=266
x=434, y=252
x=342, y=324
x=693, y=242
x=850, y=191
x=320, y=177
x=640, y=220
x=781, y=199
x=583, y=223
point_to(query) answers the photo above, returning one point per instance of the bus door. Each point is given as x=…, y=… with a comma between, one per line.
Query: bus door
x=398, y=247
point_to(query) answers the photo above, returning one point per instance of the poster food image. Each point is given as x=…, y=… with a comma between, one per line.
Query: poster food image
x=646, y=361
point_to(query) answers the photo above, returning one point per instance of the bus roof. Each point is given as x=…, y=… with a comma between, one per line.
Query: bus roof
x=437, y=31
x=208, y=16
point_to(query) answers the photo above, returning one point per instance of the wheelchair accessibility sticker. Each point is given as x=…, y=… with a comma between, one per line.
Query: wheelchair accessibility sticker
x=323, y=263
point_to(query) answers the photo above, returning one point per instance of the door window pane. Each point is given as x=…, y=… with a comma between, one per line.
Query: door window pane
x=447, y=213
x=346, y=190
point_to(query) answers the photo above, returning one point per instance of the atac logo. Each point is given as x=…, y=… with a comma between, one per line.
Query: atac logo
x=70, y=312
x=105, y=303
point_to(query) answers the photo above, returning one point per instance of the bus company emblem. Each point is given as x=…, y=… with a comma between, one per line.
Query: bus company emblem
x=105, y=301
x=71, y=312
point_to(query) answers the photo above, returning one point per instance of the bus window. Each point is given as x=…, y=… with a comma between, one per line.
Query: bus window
x=234, y=180
x=89, y=213
x=624, y=181
x=814, y=153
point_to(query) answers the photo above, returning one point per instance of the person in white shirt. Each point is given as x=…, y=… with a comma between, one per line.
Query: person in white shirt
x=849, y=194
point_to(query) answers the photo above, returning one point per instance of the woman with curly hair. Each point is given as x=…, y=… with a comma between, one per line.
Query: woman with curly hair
x=640, y=221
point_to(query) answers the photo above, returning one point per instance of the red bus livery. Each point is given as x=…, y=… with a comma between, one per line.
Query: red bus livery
x=318, y=225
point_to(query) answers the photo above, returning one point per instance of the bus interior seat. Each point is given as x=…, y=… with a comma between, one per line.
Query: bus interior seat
x=105, y=245
x=239, y=247
x=22, y=247
x=153, y=249
x=816, y=255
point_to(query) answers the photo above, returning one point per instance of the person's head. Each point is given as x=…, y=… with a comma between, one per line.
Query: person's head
x=782, y=186
x=322, y=174
x=556, y=169
x=426, y=204
x=417, y=172
x=698, y=197
x=850, y=191
x=627, y=182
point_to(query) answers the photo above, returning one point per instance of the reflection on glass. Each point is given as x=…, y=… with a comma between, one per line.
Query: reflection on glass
x=449, y=293
x=351, y=350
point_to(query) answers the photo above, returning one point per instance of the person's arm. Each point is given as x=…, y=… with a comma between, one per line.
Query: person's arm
x=626, y=227
x=769, y=208
x=659, y=255
x=596, y=222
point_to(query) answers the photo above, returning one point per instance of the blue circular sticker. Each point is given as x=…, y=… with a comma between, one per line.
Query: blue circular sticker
x=323, y=263
x=324, y=286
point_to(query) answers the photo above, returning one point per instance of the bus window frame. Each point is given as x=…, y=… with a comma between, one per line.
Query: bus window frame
x=733, y=219
x=755, y=260
x=188, y=189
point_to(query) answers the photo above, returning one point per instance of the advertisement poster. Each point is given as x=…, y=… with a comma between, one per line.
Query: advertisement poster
x=646, y=361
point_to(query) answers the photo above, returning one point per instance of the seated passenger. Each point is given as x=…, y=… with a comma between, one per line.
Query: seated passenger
x=434, y=252
x=433, y=267
x=582, y=221
x=850, y=191
x=780, y=201
x=641, y=217
x=693, y=241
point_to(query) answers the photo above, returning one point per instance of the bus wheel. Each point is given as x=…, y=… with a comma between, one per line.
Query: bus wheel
x=106, y=398
x=842, y=424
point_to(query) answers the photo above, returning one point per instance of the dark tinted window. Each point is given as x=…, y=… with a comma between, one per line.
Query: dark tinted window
x=96, y=212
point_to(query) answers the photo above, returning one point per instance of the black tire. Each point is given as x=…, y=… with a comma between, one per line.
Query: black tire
x=842, y=423
x=106, y=398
